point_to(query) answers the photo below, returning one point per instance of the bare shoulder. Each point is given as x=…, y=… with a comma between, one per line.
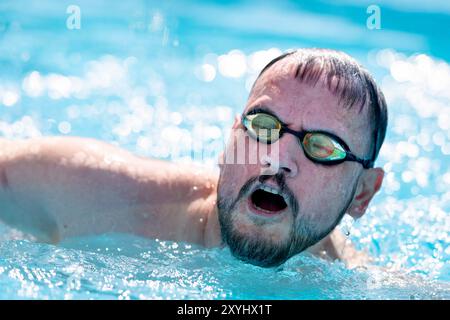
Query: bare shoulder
x=59, y=187
x=336, y=246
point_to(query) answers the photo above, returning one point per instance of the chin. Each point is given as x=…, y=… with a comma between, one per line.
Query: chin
x=256, y=244
x=269, y=227
x=261, y=230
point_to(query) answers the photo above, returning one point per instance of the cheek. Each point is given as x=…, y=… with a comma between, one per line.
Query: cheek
x=233, y=177
x=323, y=192
x=239, y=163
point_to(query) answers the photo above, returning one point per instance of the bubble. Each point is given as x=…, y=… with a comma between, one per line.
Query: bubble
x=157, y=22
x=176, y=118
x=401, y=71
x=58, y=86
x=445, y=149
x=33, y=84
x=64, y=127
x=407, y=176
x=10, y=98
x=232, y=64
x=386, y=57
x=206, y=72
x=258, y=60
x=444, y=120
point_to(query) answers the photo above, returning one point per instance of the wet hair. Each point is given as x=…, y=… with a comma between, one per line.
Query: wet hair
x=347, y=79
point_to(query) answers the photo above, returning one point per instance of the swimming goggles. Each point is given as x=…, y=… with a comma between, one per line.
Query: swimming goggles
x=318, y=146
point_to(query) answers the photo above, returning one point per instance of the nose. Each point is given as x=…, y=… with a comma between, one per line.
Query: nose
x=282, y=157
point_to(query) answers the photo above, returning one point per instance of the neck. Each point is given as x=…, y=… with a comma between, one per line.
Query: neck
x=202, y=207
x=211, y=232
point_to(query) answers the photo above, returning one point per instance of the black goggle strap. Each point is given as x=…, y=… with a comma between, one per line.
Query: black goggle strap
x=349, y=156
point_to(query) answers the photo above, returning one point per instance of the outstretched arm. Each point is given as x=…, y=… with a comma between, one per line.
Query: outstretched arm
x=60, y=187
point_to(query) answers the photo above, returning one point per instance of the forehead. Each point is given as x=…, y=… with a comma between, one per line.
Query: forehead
x=304, y=106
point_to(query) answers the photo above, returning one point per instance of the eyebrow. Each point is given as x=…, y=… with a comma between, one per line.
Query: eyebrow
x=264, y=109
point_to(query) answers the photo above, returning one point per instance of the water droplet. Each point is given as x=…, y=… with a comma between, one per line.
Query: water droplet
x=64, y=127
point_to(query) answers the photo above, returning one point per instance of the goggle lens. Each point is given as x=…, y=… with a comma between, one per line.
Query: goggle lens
x=322, y=147
x=318, y=146
x=263, y=127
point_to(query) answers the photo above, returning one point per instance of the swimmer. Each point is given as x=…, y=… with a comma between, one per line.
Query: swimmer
x=320, y=117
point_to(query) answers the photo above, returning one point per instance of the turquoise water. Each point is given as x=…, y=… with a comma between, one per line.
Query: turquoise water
x=158, y=78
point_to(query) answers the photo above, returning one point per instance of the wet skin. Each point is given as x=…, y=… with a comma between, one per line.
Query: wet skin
x=323, y=192
x=62, y=187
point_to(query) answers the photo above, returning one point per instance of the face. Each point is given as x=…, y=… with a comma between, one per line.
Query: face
x=281, y=204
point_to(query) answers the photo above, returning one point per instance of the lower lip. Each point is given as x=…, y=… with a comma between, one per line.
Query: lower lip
x=260, y=212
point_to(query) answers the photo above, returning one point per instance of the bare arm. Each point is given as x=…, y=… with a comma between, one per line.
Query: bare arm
x=61, y=187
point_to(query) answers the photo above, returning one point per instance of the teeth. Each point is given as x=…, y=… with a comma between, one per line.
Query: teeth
x=270, y=189
x=273, y=191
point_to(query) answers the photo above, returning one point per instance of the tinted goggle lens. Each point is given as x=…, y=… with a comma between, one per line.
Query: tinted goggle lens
x=322, y=147
x=318, y=146
x=263, y=127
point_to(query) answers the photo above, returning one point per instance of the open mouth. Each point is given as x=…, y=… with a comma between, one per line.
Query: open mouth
x=267, y=200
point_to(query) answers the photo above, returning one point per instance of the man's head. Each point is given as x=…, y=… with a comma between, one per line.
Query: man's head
x=266, y=218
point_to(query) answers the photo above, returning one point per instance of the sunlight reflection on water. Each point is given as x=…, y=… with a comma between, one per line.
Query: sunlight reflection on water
x=178, y=104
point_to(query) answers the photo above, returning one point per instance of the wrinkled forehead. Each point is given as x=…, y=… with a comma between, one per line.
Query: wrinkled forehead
x=281, y=82
x=280, y=73
x=309, y=106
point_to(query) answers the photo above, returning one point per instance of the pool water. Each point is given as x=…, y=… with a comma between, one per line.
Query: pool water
x=165, y=79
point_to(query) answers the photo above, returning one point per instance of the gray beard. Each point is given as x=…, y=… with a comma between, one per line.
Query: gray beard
x=262, y=252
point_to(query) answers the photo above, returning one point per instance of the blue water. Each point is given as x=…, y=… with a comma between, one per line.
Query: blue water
x=153, y=78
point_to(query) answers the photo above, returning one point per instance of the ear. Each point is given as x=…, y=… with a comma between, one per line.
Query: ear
x=369, y=183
